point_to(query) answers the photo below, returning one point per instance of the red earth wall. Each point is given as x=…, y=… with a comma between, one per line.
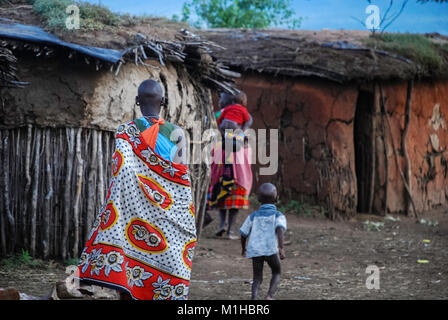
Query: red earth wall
x=427, y=142
x=315, y=119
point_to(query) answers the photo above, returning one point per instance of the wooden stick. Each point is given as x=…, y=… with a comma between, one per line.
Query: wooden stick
x=76, y=205
x=28, y=184
x=91, y=183
x=108, y=158
x=386, y=158
x=407, y=120
x=373, y=147
x=34, y=197
x=59, y=173
x=49, y=195
x=41, y=191
x=200, y=204
x=67, y=195
x=397, y=162
x=100, y=188
x=6, y=173
x=78, y=191
x=17, y=184
x=2, y=218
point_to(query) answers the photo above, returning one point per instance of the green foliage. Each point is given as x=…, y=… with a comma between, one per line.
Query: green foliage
x=92, y=16
x=302, y=209
x=373, y=226
x=415, y=47
x=240, y=14
x=53, y=11
x=72, y=262
x=23, y=259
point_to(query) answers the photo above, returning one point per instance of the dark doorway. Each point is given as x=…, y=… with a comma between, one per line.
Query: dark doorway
x=364, y=157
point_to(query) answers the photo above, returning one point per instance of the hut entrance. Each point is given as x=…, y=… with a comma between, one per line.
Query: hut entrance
x=364, y=156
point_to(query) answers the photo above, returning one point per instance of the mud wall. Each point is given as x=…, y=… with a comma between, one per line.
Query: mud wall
x=56, y=139
x=427, y=142
x=317, y=153
x=61, y=94
x=315, y=122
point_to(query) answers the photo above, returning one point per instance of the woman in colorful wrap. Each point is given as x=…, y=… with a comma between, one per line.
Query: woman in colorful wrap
x=143, y=238
x=231, y=177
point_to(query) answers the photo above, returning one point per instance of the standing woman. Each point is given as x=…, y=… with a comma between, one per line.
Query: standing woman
x=143, y=238
x=231, y=181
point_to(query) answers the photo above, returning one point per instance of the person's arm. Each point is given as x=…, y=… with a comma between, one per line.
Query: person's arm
x=248, y=123
x=245, y=231
x=280, y=236
x=243, y=245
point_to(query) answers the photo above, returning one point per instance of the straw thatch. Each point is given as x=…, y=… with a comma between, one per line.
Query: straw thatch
x=336, y=55
x=8, y=77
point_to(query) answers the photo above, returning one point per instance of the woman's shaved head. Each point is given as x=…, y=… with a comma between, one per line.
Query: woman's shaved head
x=150, y=87
x=150, y=96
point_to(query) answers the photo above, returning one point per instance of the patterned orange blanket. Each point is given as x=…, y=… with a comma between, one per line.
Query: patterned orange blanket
x=143, y=238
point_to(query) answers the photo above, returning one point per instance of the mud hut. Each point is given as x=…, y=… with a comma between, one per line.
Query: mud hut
x=361, y=129
x=57, y=133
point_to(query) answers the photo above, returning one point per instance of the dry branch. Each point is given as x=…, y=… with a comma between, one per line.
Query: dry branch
x=49, y=195
x=35, y=193
x=386, y=158
x=91, y=182
x=2, y=218
x=373, y=148
x=8, y=69
x=406, y=186
x=407, y=119
x=67, y=195
x=76, y=209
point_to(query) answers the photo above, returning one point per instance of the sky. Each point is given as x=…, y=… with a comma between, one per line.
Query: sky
x=319, y=14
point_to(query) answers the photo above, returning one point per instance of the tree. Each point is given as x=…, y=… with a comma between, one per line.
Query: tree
x=240, y=14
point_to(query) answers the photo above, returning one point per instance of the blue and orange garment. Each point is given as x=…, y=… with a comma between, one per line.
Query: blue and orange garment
x=143, y=238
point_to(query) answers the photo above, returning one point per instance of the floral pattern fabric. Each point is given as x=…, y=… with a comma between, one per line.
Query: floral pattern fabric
x=142, y=240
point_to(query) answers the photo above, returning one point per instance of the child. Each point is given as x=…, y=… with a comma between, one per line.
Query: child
x=233, y=119
x=265, y=229
x=233, y=113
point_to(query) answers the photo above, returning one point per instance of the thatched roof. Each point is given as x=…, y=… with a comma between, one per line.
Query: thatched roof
x=24, y=30
x=335, y=55
x=117, y=38
x=8, y=69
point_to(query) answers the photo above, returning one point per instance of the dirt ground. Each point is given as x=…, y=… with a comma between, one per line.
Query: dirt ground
x=324, y=260
x=328, y=260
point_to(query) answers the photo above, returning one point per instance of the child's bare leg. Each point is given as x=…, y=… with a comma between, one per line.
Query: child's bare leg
x=274, y=264
x=257, y=264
